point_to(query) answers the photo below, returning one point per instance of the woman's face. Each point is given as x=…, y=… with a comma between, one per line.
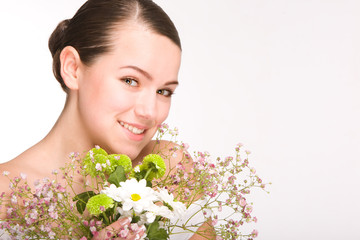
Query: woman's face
x=125, y=94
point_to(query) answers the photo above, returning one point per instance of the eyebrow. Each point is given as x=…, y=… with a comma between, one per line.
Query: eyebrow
x=147, y=75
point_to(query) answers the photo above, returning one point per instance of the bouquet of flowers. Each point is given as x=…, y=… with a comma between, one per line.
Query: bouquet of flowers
x=196, y=191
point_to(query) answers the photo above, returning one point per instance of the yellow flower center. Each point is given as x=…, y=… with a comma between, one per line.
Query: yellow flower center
x=135, y=197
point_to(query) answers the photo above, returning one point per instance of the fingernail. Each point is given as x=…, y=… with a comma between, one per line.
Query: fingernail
x=125, y=221
x=142, y=228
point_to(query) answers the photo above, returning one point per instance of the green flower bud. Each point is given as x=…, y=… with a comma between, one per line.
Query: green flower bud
x=95, y=161
x=156, y=164
x=120, y=160
x=99, y=203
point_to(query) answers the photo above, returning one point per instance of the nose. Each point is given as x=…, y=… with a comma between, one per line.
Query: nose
x=146, y=106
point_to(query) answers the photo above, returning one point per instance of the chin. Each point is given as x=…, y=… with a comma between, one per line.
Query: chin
x=131, y=151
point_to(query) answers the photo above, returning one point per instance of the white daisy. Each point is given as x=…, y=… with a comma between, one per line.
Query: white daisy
x=113, y=192
x=155, y=210
x=178, y=208
x=135, y=195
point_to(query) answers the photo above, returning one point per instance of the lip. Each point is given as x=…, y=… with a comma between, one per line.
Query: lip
x=139, y=126
x=130, y=134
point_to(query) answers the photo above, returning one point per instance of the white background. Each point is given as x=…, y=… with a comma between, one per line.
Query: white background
x=280, y=76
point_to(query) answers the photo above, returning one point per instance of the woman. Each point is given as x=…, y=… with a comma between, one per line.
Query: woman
x=118, y=62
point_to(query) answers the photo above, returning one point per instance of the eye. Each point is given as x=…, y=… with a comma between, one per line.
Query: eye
x=165, y=92
x=130, y=81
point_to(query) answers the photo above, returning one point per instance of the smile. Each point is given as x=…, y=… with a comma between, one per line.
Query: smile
x=132, y=129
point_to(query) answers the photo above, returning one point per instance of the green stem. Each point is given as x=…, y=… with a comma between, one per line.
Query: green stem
x=148, y=173
x=106, y=218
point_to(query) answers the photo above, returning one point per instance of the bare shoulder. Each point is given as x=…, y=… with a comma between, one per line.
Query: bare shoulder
x=26, y=163
x=7, y=170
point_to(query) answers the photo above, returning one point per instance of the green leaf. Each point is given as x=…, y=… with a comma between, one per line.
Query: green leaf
x=82, y=199
x=135, y=219
x=149, y=184
x=156, y=233
x=117, y=176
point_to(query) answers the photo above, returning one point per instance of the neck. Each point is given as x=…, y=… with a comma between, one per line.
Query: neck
x=66, y=136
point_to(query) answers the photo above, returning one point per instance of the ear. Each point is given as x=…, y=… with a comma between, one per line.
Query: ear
x=70, y=67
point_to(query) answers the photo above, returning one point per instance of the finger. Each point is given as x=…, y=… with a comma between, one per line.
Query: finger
x=133, y=235
x=112, y=230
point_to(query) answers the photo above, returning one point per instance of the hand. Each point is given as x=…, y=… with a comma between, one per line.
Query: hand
x=119, y=230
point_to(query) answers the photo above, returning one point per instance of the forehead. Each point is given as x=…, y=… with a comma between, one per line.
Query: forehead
x=135, y=44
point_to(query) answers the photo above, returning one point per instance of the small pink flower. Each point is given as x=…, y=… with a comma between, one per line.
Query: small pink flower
x=242, y=202
x=248, y=208
x=52, y=235
x=54, y=215
x=187, y=191
x=185, y=146
x=93, y=229
x=23, y=176
x=92, y=223
x=255, y=233
x=5, y=173
x=214, y=222
x=9, y=210
x=98, y=167
x=124, y=233
x=34, y=214
x=83, y=238
x=14, y=199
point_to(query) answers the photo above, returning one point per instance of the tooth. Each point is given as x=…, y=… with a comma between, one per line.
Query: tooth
x=133, y=129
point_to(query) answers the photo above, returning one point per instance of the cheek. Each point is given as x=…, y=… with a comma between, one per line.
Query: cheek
x=109, y=96
x=163, y=111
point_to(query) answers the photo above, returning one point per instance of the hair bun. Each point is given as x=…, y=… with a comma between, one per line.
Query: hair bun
x=56, y=40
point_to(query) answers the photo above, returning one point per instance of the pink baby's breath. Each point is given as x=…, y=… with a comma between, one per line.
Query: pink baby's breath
x=98, y=167
x=248, y=208
x=222, y=183
x=242, y=202
x=23, y=176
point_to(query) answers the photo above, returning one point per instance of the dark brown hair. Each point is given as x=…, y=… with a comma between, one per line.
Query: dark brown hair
x=90, y=29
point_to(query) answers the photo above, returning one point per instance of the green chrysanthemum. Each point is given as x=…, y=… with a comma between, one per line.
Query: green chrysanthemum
x=120, y=160
x=99, y=203
x=156, y=164
x=95, y=161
